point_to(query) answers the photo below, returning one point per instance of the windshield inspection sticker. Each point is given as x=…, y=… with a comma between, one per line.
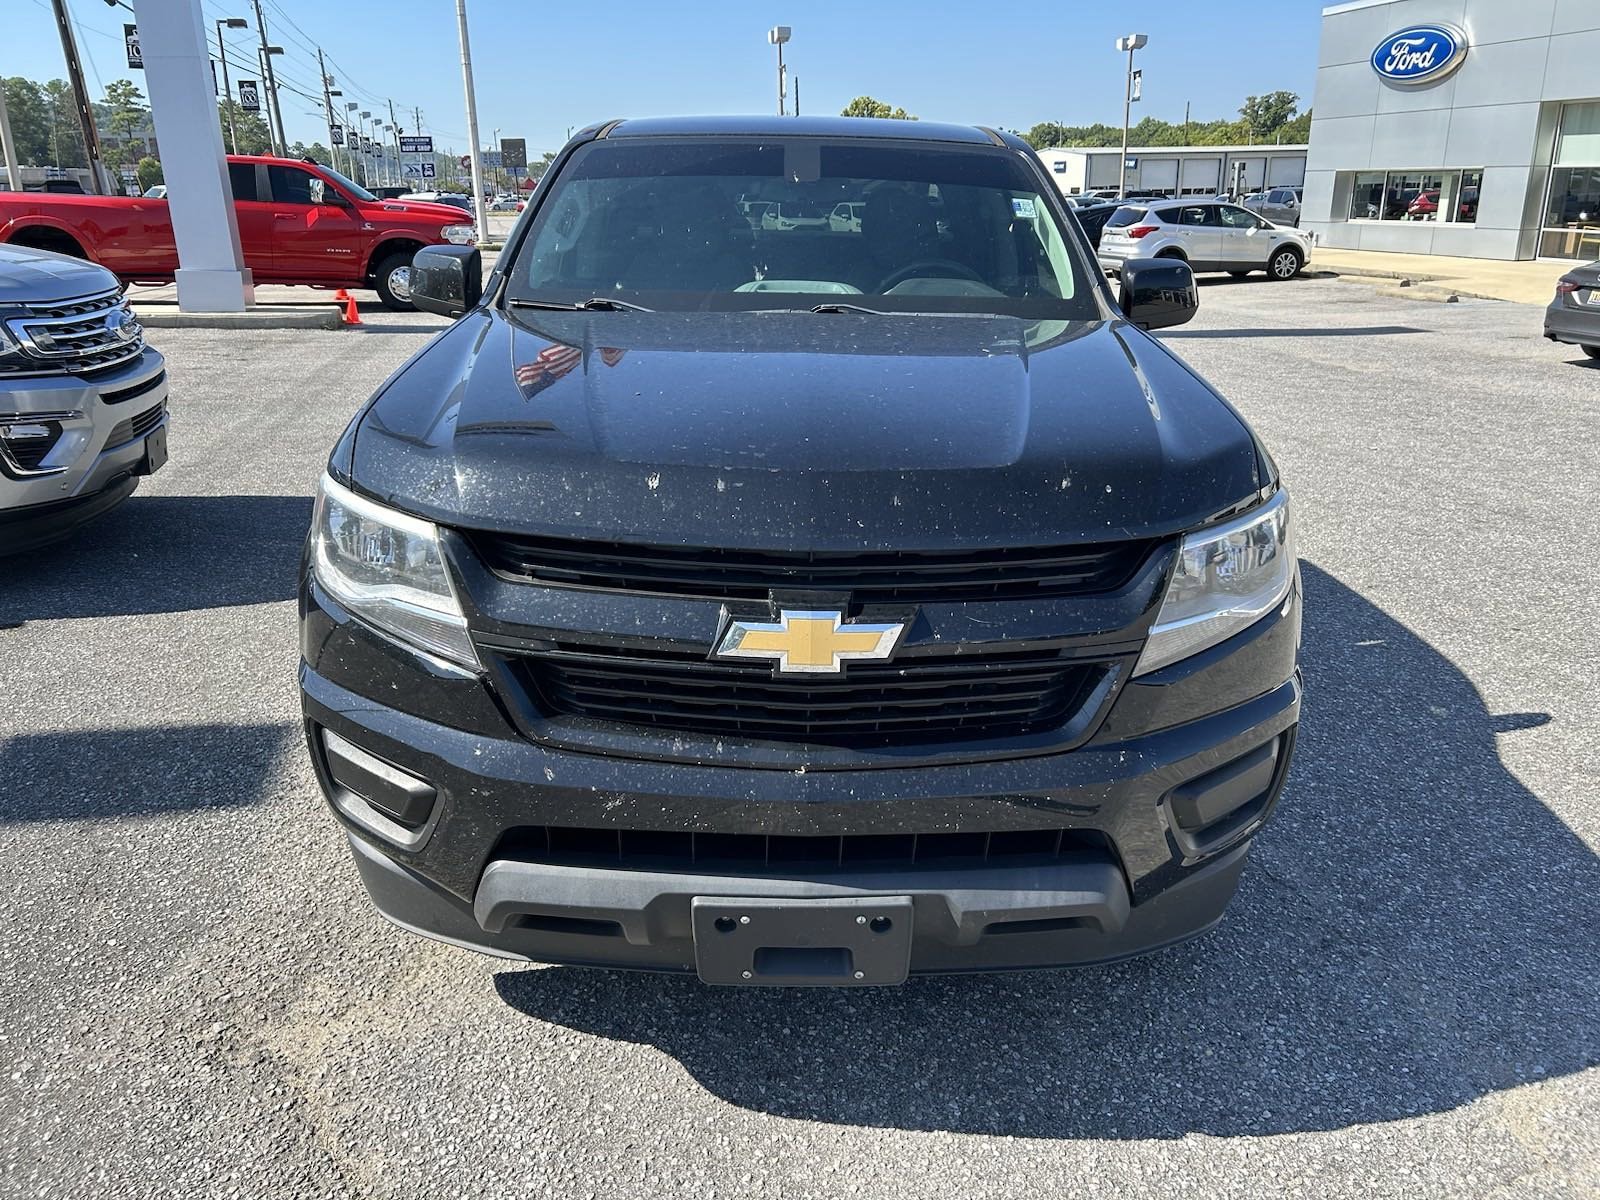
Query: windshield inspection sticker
x=1023, y=208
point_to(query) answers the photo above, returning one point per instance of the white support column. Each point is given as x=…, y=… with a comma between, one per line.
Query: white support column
x=212, y=276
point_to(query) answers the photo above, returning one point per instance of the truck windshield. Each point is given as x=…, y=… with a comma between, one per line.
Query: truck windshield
x=731, y=224
x=355, y=189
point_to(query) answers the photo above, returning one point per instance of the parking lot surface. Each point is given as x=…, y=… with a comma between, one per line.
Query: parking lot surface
x=199, y=1000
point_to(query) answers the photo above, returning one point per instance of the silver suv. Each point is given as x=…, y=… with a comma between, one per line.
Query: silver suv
x=1208, y=235
x=1280, y=205
x=83, y=400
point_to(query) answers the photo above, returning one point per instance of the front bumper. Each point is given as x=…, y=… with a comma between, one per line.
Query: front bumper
x=96, y=459
x=1151, y=816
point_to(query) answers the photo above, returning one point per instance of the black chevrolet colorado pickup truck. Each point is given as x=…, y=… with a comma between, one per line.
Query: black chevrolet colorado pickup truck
x=802, y=604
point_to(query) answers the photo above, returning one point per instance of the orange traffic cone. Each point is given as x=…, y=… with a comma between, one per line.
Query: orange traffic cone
x=341, y=295
x=352, y=314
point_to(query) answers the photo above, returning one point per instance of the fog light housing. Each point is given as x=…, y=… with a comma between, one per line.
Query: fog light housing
x=397, y=795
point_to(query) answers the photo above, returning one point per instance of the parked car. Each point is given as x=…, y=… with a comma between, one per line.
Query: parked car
x=1574, y=315
x=453, y=199
x=900, y=608
x=156, y=192
x=1280, y=205
x=83, y=400
x=846, y=216
x=1208, y=236
x=299, y=223
x=1093, y=218
x=57, y=187
x=1426, y=205
x=505, y=204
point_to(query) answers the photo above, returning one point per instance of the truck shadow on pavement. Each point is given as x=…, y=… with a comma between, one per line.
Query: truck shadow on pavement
x=1416, y=930
x=128, y=773
x=161, y=554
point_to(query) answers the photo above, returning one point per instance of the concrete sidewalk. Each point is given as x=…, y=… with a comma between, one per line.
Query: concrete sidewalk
x=1526, y=282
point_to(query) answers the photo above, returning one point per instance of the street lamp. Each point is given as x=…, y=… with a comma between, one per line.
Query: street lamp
x=778, y=35
x=352, y=143
x=274, y=115
x=227, y=88
x=333, y=151
x=1134, y=41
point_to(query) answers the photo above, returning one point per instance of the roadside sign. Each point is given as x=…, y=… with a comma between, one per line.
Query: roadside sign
x=336, y=132
x=514, y=154
x=416, y=145
x=427, y=170
x=249, y=96
x=130, y=175
x=130, y=38
x=466, y=162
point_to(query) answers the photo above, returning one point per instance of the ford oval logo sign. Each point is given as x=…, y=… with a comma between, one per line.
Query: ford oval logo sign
x=1421, y=54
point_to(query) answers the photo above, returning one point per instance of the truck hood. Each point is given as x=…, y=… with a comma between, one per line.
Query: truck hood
x=803, y=431
x=448, y=213
x=40, y=277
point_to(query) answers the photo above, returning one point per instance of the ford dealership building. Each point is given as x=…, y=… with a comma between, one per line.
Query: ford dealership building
x=1466, y=127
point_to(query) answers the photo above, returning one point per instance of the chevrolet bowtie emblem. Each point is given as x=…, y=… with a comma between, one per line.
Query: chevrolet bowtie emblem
x=803, y=641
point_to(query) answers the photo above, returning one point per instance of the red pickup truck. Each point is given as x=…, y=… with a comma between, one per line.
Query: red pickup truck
x=299, y=222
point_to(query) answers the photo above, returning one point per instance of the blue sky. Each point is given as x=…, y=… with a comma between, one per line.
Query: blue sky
x=544, y=66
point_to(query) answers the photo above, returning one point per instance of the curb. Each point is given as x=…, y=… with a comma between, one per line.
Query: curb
x=298, y=317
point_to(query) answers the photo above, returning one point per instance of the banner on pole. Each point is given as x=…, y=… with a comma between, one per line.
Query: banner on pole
x=130, y=38
x=249, y=96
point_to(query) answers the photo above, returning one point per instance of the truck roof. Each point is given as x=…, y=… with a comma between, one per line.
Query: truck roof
x=773, y=126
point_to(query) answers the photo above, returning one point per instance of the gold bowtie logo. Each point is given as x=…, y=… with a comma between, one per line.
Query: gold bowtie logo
x=802, y=642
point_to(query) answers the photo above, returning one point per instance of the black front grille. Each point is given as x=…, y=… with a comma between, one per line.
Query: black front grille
x=917, y=699
x=760, y=853
x=136, y=426
x=871, y=577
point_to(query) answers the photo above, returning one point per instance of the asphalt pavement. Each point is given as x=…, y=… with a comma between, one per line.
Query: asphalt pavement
x=199, y=1000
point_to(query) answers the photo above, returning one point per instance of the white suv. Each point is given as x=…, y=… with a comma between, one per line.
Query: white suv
x=1208, y=235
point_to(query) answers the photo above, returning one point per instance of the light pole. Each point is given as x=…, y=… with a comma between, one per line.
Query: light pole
x=366, y=157
x=480, y=211
x=1134, y=41
x=280, y=145
x=352, y=144
x=227, y=88
x=778, y=35
x=333, y=150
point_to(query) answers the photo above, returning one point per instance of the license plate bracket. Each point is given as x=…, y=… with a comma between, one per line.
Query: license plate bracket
x=155, y=452
x=774, y=942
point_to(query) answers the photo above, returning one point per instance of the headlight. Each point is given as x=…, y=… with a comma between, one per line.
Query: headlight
x=386, y=568
x=1228, y=577
x=461, y=235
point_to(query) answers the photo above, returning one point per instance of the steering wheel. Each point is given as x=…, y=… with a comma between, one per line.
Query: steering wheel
x=945, y=268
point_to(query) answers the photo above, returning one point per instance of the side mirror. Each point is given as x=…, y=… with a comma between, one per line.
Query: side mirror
x=447, y=280
x=1156, y=292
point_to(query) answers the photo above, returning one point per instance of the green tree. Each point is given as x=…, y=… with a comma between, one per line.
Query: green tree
x=66, y=139
x=126, y=120
x=315, y=151
x=150, y=173
x=1267, y=114
x=866, y=106
x=1297, y=130
x=254, y=137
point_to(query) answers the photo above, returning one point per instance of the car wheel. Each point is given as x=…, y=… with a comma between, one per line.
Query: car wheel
x=393, y=282
x=1286, y=263
x=1591, y=351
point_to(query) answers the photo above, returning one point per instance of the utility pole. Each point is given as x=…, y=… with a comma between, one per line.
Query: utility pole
x=280, y=144
x=778, y=35
x=399, y=162
x=480, y=210
x=327, y=104
x=8, y=146
x=797, y=95
x=80, y=99
x=1185, y=122
x=1134, y=41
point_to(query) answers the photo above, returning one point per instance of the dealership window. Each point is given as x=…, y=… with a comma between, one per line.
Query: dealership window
x=1449, y=196
x=1572, y=210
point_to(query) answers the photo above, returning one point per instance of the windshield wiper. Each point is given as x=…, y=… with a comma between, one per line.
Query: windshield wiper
x=592, y=304
x=840, y=306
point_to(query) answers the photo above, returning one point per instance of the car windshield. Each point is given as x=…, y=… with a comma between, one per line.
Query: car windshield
x=355, y=189
x=732, y=224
